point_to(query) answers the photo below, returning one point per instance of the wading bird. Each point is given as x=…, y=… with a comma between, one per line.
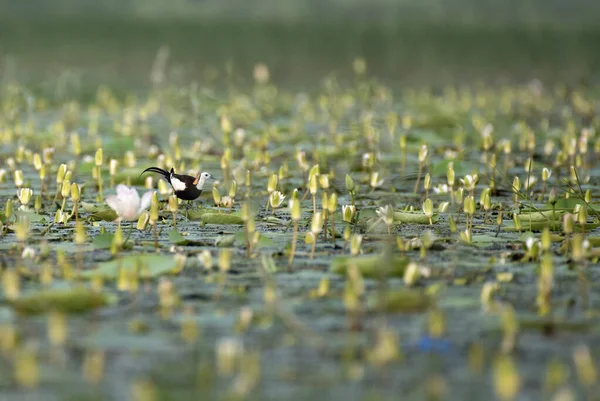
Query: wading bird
x=185, y=187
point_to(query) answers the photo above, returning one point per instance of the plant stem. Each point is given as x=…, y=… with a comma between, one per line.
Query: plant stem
x=333, y=228
x=155, y=236
x=100, y=185
x=294, y=240
x=418, y=178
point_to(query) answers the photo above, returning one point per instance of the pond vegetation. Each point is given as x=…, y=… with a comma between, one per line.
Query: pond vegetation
x=360, y=240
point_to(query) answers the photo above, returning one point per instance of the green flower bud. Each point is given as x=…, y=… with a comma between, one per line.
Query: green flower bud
x=349, y=183
x=216, y=196
x=143, y=220
x=428, y=207
x=272, y=184
x=332, y=204
x=232, y=189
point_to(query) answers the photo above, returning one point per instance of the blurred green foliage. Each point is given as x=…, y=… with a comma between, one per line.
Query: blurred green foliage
x=426, y=42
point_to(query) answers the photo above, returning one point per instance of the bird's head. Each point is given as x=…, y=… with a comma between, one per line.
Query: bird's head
x=201, y=179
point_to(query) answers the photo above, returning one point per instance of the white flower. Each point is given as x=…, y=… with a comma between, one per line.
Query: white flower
x=375, y=182
x=386, y=213
x=530, y=181
x=470, y=181
x=546, y=173
x=441, y=189
x=127, y=202
x=227, y=201
x=423, y=152
x=24, y=195
x=530, y=242
x=276, y=199
x=28, y=253
x=348, y=212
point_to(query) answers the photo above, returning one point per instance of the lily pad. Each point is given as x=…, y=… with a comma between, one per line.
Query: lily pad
x=509, y=226
x=414, y=217
x=104, y=241
x=105, y=215
x=77, y=300
x=33, y=217
x=262, y=240
x=542, y=216
x=225, y=219
x=402, y=301
x=176, y=238
x=147, y=265
x=196, y=214
x=370, y=266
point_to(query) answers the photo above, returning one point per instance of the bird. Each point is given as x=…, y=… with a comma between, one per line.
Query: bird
x=185, y=187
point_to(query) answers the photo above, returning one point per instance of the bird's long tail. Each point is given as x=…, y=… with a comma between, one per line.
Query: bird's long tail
x=160, y=171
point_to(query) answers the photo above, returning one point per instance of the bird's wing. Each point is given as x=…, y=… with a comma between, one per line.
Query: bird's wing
x=181, y=182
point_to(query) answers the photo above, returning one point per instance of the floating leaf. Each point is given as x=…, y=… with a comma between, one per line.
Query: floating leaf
x=225, y=241
x=225, y=219
x=414, y=217
x=105, y=215
x=77, y=300
x=546, y=324
x=150, y=265
x=178, y=239
x=89, y=207
x=262, y=240
x=103, y=241
x=568, y=204
x=33, y=217
x=509, y=226
x=196, y=214
x=441, y=168
x=371, y=265
x=404, y=300
x=542, y=216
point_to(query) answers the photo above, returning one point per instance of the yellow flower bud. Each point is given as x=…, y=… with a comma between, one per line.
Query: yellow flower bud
x=143, y=220
x=317, y=223
x=232, y=189
x=295, y=209
x=75, y=192
x=66, y=188
x=99, y=158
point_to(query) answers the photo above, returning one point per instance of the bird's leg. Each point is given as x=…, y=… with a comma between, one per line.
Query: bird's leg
x=187, y=209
